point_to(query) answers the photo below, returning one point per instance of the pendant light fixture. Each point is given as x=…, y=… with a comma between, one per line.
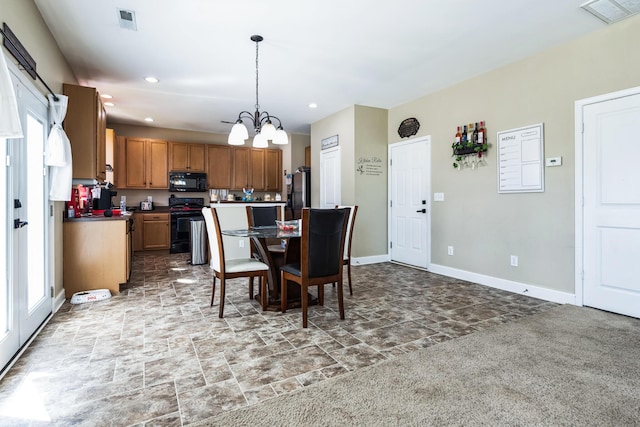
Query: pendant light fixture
x=260, y=120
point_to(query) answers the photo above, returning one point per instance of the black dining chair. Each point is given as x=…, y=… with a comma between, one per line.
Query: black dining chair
x=321, y=257
x=348, y=240
x=224, y=269
x=264, y=216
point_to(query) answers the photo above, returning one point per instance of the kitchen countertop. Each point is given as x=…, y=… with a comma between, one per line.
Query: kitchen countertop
x=98, y=218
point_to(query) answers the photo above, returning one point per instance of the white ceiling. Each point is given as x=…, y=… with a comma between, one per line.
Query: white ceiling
x=335, y=53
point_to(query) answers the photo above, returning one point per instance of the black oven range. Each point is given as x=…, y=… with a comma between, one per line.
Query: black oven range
x=181, y=210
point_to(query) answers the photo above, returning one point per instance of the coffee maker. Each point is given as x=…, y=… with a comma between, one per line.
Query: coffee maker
x=104, y=202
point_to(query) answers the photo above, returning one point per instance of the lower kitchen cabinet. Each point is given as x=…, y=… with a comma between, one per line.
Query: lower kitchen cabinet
x=96, y=255
x=155, y=231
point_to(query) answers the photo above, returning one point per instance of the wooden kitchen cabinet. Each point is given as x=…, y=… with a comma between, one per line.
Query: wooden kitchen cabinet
x=240, y=158
x=186, y=157
x=260, y=169
x=273, y=170
x=85, y=124
x=146, y=163
x=138, y=227
x=96, y=255
x=219, y=166
x=155, y=231
x=256, y=168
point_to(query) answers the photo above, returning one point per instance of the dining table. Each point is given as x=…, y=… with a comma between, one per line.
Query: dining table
x=291, y=255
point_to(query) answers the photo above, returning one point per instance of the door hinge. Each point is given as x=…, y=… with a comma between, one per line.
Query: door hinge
x=390, y=162
x=50, y=210
x=51, y=290
x=8, y=161
x=582, y=127
x=390, y=203
x=391, y=244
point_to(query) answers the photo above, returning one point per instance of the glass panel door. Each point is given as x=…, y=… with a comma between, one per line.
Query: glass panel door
x=25, y=295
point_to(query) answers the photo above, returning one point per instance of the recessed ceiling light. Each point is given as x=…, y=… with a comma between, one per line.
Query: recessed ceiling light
x=148, y=119
x=106, y=96
x=313, y=105
x=109, y=104
x=151, y=79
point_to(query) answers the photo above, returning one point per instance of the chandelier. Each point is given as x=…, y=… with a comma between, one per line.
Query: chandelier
x=260, y=120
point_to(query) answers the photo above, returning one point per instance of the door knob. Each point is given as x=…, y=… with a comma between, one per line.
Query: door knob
x=422, y=210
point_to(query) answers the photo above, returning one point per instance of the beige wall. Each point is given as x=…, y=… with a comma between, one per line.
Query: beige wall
x=370, y=189
x=486, y=227
x=361, y=134
x=23, y=18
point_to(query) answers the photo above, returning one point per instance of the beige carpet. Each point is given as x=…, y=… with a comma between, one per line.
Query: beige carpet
x=567, y=366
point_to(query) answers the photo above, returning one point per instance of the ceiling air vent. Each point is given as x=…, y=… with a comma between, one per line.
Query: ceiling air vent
x=611, y=11
x=127, y=19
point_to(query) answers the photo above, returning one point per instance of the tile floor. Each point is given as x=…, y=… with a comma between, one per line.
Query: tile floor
x=158, y=355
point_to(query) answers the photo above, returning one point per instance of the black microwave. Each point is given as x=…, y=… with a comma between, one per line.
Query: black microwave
x=188, y=181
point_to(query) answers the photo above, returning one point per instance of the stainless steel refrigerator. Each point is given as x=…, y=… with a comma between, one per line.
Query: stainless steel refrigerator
x=300, y=196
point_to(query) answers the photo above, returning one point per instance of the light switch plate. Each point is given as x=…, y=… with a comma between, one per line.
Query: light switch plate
x=553, y=161
x=438, y=197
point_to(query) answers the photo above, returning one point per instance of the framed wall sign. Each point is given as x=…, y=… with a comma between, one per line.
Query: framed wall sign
x=521, y=160
x=330, y=142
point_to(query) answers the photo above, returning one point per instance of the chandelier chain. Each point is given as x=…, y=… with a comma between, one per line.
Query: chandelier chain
x=257, y=103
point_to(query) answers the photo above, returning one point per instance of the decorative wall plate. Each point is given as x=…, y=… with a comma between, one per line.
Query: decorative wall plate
x=408, y=127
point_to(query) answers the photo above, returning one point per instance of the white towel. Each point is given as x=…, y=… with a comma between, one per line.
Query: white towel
x=9, y=118
x=58, y=152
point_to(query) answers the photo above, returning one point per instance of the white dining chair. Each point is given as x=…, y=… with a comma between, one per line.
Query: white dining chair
x=224, y=269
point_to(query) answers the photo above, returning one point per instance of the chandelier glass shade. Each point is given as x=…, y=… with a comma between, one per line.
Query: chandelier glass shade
x=261, y=121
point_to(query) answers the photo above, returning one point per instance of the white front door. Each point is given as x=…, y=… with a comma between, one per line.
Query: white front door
x=330, y=178
x=611, y=212
x=409, y=208
x=25, y=295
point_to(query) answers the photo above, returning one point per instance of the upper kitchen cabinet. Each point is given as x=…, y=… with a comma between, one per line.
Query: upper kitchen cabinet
x=186, y=157
x=273, y=170
x=146, y=163
x=256, y=168
x=85, y=124
x=219, y=166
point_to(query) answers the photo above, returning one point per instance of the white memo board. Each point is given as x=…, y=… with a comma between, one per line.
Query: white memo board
x=521, y=160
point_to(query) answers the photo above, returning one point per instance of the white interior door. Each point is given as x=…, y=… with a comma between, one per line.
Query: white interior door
x=330, y=178
x=409, y=207
x=25, y=295
x=611, y=212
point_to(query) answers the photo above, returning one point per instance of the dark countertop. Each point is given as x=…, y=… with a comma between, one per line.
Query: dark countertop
x=98, y=218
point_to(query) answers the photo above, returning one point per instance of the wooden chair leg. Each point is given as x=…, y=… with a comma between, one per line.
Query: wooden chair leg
x=251, y=287
x=305, y=302
x=263, y=291
x=340, y=300
x=349, y=276
x=222, y=285
x=283, y=293
x=213, y=289
x=321, y=295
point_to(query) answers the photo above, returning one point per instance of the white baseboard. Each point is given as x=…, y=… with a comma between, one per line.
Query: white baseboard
x=370, y=259
x=506, y=285
x=58, y=300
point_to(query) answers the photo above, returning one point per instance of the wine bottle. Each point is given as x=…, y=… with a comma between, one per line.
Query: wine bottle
x=475, y=133
x=481, y=132
x=470, y=133
x=458, y=136
x=464, y=135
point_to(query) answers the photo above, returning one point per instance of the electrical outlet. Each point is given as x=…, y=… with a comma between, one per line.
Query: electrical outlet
x=514, y=260
x=241, y=243
x=450, y=250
